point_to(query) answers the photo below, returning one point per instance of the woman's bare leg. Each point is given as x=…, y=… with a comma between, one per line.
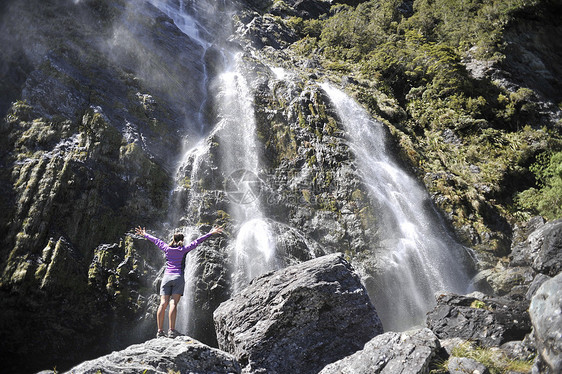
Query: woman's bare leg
x=172, y=314
x=164, y=300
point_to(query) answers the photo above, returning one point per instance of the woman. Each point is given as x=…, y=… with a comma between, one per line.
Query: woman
x=173, y=282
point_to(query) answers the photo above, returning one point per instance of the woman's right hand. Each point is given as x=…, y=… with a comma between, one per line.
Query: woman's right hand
x=216, y=230
x=140, y=231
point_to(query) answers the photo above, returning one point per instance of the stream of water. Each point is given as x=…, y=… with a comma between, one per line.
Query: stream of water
x=253, y=249
x=417, y=257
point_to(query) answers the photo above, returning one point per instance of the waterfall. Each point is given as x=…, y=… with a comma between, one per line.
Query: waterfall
x=253, y=250
x=416, y=255
x=254, y=247
x=192, y=155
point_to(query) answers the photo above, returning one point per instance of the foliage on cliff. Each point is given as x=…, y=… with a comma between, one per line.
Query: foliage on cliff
x=471, y=136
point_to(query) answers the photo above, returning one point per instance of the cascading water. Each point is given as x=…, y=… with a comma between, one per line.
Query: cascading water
x=416, y=256
x=254, y=247
x=253, y=250
x=188, y=167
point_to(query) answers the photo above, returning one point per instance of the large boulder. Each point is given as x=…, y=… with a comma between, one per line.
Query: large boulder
x=298, y=319
x=163, y=355
x=476, y=317
x=546, y=316
x=391, y=352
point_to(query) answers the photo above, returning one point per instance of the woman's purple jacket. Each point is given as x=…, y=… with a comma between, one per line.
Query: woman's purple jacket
x=174, y=255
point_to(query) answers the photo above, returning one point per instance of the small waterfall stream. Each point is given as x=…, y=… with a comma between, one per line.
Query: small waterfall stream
x=253, y=249
x=189, y=165
x=254, y=245
x=417, y=256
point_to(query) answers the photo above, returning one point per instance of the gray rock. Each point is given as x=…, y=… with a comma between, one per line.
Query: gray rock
x=546, y=316
x=163, y=355
x=449, y=344
x=298, y=319
x=519, y=350
x=549, y=258
x=464, y=365
x=392, y=352
x=541, y=249
x=484, y=320
x=505, y=281
x=535, y=285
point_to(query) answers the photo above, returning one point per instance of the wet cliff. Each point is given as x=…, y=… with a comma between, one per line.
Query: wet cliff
x=99, y=99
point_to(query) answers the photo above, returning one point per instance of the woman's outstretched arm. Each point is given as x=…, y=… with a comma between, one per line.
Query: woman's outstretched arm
x=196, y=242
x=159, y=243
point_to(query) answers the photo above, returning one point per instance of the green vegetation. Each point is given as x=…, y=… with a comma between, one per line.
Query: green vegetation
x=493, y=359
x=545, y=200
x=474, y=139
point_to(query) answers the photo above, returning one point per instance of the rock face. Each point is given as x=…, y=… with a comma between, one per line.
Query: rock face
x=85, y=140
x=391, y=352
x=298, y=319
x=484, y=320
x=546, y=316
x=163, y=355
x=535, y=255
x=97, y=98
x=542, y=250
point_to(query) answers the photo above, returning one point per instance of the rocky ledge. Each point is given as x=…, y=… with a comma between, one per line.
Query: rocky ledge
x=162, y=355
x=316, y=317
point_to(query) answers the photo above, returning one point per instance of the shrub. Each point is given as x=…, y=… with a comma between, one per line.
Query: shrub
x=545, y=200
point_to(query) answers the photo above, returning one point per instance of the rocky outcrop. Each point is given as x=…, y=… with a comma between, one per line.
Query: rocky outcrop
x=391, y=352
x=546, y=316
x=542, y=250
x=535, y=255
x=481, y=319
x=298, y=319
x=163, y=355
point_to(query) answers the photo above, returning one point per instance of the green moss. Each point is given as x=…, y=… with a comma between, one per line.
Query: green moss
x=478, y=304
x=357, y=195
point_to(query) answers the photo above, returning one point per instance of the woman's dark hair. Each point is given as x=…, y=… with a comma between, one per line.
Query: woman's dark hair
x=177, y=241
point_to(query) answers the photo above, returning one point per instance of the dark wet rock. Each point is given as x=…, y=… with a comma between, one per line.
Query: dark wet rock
x=391, y=352
x=264, y=31
x=298, y=319
x=485, y=320
x=163, y=355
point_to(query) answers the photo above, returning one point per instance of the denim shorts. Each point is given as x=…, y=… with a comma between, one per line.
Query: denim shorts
x=172, y=284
